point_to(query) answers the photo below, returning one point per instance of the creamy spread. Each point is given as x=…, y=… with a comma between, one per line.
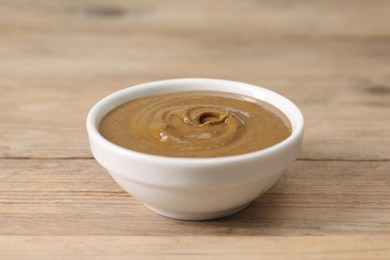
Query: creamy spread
x=195, y=124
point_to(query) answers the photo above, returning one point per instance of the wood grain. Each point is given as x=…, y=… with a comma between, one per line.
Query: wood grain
x=179, y=247
x=77, y=197
x=58, y=58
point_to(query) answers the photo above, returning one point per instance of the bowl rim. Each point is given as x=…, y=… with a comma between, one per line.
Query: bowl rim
x=93, y=132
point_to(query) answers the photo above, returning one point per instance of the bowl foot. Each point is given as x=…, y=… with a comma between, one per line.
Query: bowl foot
x=197, y=216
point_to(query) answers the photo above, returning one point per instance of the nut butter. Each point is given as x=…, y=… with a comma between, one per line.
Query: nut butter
x=195, y=124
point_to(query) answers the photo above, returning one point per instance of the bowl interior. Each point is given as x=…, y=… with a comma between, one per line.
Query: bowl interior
x=112, y=101
x=166, y=86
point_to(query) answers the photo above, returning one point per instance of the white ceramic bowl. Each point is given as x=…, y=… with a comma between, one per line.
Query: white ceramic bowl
x=195, y=188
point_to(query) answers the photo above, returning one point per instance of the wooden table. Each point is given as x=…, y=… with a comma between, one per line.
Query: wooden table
x=58, y=58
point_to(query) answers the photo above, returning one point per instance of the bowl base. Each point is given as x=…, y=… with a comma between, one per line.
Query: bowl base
x=197, y=216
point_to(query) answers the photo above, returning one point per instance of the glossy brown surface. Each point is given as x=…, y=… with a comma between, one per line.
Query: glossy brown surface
x=195, y=124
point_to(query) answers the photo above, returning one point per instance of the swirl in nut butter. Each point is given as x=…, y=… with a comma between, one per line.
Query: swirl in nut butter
x=195, y=124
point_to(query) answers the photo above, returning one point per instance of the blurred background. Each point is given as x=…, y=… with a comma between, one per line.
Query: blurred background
x=60, y=57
